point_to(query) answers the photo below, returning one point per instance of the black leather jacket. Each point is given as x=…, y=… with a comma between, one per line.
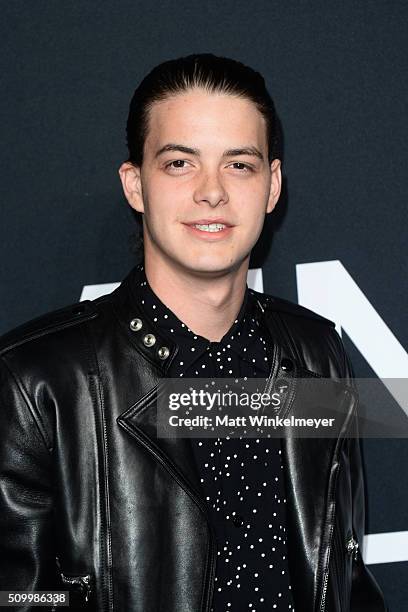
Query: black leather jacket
x=91, y=501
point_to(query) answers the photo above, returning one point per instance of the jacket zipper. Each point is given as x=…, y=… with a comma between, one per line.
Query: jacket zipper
x=83, y=582
x=325, y=581
x=352, y=547
x=329, y=553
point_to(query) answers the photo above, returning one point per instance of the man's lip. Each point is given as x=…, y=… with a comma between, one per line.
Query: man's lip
x=209, y=222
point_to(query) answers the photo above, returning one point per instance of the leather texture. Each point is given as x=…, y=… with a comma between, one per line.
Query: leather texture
x=91, y=501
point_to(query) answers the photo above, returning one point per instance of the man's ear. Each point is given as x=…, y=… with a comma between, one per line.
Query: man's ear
x=132, y=185
x=276, y=185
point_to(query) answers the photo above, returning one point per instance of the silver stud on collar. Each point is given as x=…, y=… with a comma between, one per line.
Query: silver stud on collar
x=149, y=340
x=163, y=352
x=135, y=324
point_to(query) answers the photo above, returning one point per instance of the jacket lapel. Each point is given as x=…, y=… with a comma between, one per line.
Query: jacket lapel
x=140, y=419
x=175, y=454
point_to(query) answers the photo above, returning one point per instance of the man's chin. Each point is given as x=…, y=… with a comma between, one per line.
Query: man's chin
x=211, y=268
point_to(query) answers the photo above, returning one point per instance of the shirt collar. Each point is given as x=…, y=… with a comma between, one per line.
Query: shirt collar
x=242, y=337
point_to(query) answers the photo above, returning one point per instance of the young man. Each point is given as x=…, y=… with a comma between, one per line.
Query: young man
x=91, y=499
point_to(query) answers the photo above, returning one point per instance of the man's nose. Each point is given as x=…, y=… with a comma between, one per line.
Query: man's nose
x=211, y=190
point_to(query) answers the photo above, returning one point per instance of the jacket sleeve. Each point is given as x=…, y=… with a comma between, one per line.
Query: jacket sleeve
x=366, y=595
x=27, y=559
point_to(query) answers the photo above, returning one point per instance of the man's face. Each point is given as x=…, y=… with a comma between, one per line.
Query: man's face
x=205, y=161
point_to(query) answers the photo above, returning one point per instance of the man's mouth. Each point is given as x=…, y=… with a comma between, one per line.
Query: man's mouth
x=212, y=227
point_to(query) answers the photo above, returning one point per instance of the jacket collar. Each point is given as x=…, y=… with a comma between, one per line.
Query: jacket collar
x=146, y=337
x=241, y=336
x=155, y=342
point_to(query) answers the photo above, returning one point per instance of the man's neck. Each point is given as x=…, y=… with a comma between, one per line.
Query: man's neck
x=208, y=306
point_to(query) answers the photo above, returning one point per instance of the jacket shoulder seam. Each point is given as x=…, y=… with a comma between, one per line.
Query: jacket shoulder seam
x=54, y=321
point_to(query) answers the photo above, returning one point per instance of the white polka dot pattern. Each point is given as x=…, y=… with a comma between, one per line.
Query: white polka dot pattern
x=242, y=479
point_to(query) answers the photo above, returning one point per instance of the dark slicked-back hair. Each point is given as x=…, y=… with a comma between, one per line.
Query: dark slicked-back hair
x=207, y=71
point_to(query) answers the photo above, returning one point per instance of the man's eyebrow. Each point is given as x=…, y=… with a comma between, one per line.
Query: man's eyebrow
x=250, y=150
x=244, y=151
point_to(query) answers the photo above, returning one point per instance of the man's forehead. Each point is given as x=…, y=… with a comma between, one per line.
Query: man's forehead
x=210, y=103
x=229, y=120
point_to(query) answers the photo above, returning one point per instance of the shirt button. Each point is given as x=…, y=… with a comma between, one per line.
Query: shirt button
x=78, y=310
x=286, y=365
x=281, y=385
x=238, y=521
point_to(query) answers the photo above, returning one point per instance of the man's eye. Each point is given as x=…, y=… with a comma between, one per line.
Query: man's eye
x=242, y=166
x=178, y=164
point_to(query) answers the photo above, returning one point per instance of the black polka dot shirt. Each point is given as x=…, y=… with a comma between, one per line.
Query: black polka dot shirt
x=242, y=479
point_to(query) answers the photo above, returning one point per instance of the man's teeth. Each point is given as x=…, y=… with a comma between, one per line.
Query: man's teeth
x=213, y=227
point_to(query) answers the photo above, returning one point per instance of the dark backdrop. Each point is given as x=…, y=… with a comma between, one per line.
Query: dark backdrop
x=338, y=74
